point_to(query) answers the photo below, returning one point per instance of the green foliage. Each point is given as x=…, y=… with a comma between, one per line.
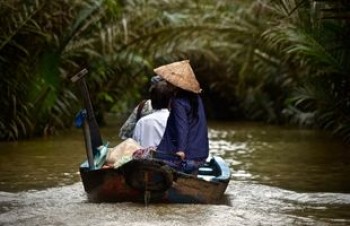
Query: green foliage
x=36, y=98
x=280, y=61
x=321, y=50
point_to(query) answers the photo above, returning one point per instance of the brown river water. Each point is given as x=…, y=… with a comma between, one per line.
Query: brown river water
x=280, y=176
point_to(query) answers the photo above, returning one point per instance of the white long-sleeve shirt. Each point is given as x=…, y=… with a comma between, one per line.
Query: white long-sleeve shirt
x=149, y=130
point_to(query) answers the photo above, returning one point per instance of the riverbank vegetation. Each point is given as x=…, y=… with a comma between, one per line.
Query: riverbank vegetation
x=282, y=62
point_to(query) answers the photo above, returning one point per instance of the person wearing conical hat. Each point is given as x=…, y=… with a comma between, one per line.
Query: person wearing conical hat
x=186, y=133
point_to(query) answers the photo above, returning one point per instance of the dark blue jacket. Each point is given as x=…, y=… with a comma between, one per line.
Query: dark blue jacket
x=186, y=132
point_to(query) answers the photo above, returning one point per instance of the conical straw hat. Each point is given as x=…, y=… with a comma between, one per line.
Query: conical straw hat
x=179, y=74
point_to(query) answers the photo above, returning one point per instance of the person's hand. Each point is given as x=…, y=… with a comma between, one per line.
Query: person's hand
x=181, y=154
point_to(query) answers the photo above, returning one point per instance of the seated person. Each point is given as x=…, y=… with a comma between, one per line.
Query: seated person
x=149, y=129
x=142, y=109
x=186, y=133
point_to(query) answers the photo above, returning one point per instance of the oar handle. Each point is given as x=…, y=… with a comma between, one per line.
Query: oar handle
x=81, y=74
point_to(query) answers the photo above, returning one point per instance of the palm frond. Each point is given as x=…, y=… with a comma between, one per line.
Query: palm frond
x=15, y=21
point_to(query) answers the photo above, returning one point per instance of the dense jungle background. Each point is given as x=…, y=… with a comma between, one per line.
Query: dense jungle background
x=273, y=61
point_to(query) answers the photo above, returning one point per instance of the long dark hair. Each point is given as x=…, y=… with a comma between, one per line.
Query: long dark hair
x=160, y=95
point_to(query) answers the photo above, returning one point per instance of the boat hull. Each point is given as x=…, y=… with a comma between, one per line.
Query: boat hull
x=153, y=182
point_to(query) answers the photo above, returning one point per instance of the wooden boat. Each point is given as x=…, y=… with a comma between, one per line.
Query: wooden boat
x=144, y=180
x=150, y=180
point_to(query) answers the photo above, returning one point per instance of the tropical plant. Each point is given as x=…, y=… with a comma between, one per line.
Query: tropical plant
x=315, y=36
x=34, y=44
x=258, y=59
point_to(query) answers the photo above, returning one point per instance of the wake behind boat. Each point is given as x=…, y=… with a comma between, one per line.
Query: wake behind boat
x=146, y=180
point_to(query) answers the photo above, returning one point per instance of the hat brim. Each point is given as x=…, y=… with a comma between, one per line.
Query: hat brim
x=180, y=74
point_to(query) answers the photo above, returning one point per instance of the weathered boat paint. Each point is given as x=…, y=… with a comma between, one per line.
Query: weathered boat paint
x=124, y=185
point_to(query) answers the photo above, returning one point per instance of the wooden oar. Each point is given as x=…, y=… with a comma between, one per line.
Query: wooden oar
x=91, y=130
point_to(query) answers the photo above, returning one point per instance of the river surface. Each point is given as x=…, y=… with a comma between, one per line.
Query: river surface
x=280, y=176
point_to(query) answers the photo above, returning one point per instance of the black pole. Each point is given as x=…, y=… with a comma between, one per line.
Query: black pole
x=89, y=149
x=91, y=130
